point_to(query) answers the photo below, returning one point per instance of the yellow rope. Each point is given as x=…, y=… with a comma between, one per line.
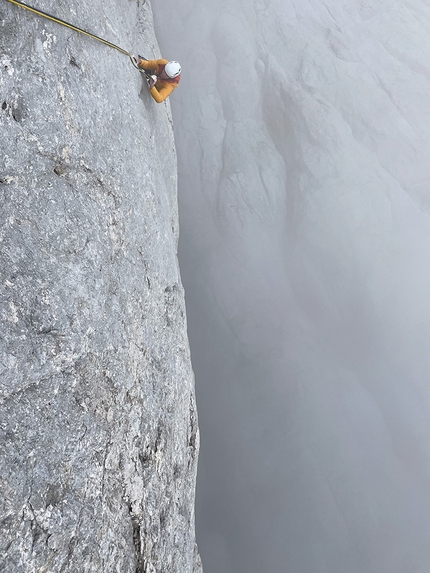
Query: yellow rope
x=72, y=27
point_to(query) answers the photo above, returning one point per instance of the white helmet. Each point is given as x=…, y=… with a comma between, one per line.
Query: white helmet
x=172, y=69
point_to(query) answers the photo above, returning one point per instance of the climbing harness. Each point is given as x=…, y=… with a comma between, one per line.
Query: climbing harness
x=72, y=27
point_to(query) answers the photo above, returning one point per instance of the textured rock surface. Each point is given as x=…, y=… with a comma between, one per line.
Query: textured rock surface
x=98, y=424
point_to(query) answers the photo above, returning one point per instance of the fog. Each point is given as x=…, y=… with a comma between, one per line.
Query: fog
x=303, y=137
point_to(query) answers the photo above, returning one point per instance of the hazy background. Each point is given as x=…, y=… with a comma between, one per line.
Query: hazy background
x=302, y=130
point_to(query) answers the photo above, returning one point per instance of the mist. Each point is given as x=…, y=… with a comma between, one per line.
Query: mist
x=302, y=131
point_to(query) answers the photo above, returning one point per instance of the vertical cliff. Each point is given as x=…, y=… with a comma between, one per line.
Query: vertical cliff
x=98, y=428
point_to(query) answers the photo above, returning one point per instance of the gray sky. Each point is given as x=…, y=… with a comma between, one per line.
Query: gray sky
x=302, y=135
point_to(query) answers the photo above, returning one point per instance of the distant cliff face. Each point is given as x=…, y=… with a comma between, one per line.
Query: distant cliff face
x=305, y=126
x=98, y=427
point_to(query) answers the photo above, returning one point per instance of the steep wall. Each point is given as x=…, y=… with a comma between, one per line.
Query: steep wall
x=98, y=425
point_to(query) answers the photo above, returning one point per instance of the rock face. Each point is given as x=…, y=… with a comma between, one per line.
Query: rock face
x=99, y=436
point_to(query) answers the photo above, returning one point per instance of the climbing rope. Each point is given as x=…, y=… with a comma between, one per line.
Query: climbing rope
x=72, y=27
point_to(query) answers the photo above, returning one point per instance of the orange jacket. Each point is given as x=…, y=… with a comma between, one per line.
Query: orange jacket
x=163, y=88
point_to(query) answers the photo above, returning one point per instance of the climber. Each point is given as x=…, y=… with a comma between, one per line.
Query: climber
x=163, y=78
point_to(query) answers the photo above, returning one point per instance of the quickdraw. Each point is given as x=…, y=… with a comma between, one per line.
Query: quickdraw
x=76, y=29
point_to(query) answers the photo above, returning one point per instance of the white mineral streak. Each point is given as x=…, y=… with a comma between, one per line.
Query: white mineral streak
x=303, y=133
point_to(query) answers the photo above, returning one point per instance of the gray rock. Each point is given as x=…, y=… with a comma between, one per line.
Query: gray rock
x=98, y=424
